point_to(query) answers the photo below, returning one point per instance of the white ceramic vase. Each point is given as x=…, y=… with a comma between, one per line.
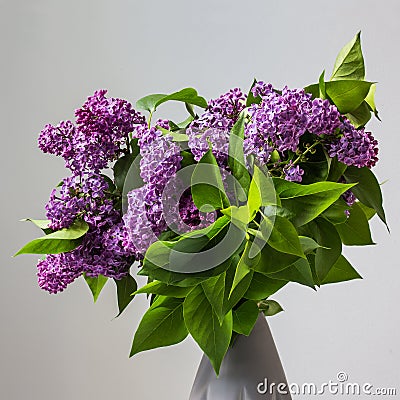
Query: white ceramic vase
x=251, y=370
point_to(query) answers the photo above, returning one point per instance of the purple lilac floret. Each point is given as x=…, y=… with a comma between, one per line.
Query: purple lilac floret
x=349, y=197
x=293, y=173
x=214, y=125
x=354, y=147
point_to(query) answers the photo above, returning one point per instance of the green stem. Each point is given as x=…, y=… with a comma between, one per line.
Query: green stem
x=150, y=117
x=307, y=151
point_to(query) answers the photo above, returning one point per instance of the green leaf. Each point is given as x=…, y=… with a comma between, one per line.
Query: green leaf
x=134, y=146
x=315, y=171
x=179, y=137
x=350, y=61
x=261, y=192
x=308, y=245
x=355, y=231
x=370, y=100
x=188, y=95
x=238, y=215
x=128, y=178
x=236, y=160
x=243, y=268
x=203, y=324
x=235, y=291
x=148, y=103
x=347, y=95
x=307, y=202
x=43, y=224
x=360, y=116
x=207, y=187
x=95, y=285
x=313, y=89
x=214, y=289
x=121, y=169
x=163, y=289
x=321, y=85
x=185, y=266
x=250, y=96
x=300, y=272
x=270, y=307
x=336, y=213
x=271, y=211
x=162, y=325
x=245, y=317
x=327, y=236
x=341, y=271
x=57, y=242
x=367, y=189
x=125, y=290
x=368, y=211
x=184, y=124
x=190, y=110
x=271, y=260
x=187, y=159
x=262, y=286
x=336, y=170
x=281, y=235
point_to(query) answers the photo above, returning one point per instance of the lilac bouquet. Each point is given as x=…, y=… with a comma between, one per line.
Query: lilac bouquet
x=219, y=211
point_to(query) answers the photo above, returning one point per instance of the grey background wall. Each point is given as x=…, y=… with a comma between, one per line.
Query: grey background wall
x=53, y=55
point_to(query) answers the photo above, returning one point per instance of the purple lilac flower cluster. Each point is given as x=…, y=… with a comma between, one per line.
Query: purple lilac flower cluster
x=278, y=122
x=354, y=147
x=213, y=127
x=102, y=252
x=161, y=159
x=97, y=138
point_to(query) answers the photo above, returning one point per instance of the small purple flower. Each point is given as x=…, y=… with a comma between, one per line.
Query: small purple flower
x=349, y=198
x=293, y=173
